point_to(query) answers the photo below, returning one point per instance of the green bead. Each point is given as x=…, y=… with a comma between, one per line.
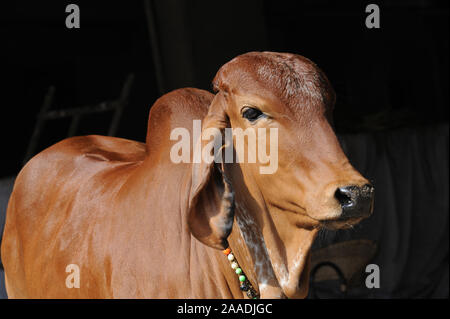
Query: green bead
x=238, y=271
x=242, y=278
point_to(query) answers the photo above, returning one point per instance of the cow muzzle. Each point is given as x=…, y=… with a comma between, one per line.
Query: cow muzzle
x=355, y=201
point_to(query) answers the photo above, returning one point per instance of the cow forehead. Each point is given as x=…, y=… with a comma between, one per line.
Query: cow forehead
x=293, y=79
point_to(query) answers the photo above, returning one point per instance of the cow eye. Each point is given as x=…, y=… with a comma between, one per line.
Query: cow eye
x=251, y=113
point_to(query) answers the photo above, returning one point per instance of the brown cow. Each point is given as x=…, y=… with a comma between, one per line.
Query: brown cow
x=127, y=215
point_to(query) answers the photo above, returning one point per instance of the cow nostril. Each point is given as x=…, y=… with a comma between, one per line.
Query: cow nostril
x=343, y=195
x=355, y=201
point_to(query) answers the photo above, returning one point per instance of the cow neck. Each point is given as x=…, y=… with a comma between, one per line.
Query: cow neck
x=271, y=273
x=249, y=248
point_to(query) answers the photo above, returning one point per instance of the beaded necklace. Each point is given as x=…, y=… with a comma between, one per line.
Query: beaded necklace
x=245, y=284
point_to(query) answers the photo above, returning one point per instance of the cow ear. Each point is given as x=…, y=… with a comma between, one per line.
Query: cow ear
x=211, y=198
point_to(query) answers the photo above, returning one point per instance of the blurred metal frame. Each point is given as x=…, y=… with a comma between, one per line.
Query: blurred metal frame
x=45, y=114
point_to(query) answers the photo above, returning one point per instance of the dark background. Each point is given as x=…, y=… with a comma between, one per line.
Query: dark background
x=393, y=76
x=391, y=83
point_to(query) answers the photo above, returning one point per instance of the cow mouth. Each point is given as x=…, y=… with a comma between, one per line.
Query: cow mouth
x=310, y=222
x=340, y=223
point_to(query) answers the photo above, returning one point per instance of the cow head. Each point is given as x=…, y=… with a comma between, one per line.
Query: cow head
x=277, y=214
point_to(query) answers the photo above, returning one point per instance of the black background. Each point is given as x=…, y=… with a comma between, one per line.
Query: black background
x=389, y=77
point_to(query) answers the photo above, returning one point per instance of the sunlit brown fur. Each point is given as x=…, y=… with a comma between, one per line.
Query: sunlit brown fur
x=140, y=226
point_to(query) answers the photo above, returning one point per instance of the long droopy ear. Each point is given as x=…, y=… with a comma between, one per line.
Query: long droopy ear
x=211, y=198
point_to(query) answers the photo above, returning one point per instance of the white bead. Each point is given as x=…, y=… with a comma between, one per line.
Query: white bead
x=230, y=257
x=234, y=265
